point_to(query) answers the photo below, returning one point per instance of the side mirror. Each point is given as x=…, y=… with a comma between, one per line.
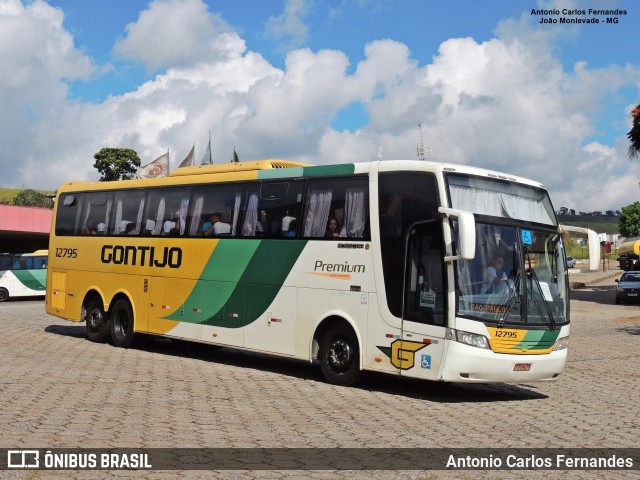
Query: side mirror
x=466, y=233
x=594, y=243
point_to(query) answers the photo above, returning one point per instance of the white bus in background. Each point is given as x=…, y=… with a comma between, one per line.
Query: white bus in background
x=23, y=274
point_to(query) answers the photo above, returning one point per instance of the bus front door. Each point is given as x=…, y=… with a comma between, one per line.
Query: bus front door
x=424, y=315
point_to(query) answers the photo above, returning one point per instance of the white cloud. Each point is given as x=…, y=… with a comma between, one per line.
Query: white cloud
x=289, y=27
x=178, y=32
x=37, y=57
x=506, y=104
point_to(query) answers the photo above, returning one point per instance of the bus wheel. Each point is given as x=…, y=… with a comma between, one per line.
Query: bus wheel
x=339, y=356
x=97, y=323
x=121, y=321
x=4, y=294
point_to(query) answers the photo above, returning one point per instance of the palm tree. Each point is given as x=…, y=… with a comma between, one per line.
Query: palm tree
x=634, y=134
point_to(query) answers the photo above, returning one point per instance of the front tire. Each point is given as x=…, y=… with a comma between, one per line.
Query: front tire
x=4, y=294
x=96, y=320
x=340, y=356
x=121, y=322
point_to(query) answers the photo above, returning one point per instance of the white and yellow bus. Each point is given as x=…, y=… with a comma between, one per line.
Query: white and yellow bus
x=23, y=274
x=241, y=255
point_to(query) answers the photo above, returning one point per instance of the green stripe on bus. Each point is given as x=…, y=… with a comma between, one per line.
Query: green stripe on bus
x=538, y=339
x=326, y=170
x=316, y=171
x=218, y=279
x=33, y=279
x=280, y=173
x=260, y=283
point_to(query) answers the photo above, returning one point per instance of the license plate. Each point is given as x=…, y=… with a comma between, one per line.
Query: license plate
x=522, y=367
x=632, y=294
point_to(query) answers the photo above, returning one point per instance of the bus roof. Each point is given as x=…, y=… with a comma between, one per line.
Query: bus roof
x=236, y=167
x=275, y=168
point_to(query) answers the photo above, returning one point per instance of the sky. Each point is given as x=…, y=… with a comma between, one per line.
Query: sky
x=495, y=84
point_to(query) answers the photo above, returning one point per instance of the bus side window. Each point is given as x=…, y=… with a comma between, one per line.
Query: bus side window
x=96, y=211
x=221, y=201
x=5, y=263
x=345, y=200
x=23, y=263
x=270, y=208
x=129, y=206
x=68, y=213
x=39, y=262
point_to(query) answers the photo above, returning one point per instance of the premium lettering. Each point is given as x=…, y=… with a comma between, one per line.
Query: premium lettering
x=143, y=256
x=320, y=266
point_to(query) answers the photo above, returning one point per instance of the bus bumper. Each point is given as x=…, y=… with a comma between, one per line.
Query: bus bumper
x=464, y=363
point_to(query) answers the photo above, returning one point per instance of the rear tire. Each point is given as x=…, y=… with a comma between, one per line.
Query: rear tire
x=96, y=320
x=4, y=294
x=340, y=356
x=121, y=323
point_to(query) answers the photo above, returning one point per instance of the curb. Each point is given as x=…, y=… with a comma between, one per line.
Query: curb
x=600, y=278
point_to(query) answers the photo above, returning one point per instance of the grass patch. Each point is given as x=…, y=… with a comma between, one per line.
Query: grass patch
x=8, y=194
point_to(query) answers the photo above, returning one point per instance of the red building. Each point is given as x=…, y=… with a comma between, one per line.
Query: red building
x=24, y=229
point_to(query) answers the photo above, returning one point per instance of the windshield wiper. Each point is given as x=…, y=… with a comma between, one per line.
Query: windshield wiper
x=532, y=276
x=511, y=293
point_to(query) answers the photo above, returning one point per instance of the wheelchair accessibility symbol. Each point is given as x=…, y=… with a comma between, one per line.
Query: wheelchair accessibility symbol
x=426, y=361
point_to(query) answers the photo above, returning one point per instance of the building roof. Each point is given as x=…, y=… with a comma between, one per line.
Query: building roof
x=25, y=219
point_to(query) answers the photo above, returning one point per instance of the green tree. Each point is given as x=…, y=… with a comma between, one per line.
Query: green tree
x=629, y=222
x=634, y=134
x=116, y=163
x=32, y=198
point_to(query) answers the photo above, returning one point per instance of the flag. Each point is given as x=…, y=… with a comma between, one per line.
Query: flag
x=207, y=160
x=188, y=160
x=234, y=157
x=156, y=169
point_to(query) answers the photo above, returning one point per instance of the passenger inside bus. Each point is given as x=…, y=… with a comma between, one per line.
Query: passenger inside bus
x=126, y=227
x=170, y=228
x=89, y=230
x=293, y=229
x=333, y=228
x=207, y=228
x=288, y=225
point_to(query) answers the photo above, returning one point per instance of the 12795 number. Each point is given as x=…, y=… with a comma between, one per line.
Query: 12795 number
x=506, y=334
x=67, y=252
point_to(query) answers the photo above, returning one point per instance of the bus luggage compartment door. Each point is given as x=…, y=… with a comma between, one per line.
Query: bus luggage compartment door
x=272, y=329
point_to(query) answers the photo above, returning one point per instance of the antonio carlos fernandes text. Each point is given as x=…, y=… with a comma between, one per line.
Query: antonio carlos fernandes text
x=533, y=461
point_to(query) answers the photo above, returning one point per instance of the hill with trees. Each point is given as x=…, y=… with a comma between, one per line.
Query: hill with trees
x=598, y=223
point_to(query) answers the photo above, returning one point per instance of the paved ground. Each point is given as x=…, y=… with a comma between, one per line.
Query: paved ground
x=581, y=276
x=57, y=389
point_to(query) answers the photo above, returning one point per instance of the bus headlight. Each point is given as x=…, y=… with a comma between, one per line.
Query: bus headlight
x=472, y=339
x=562, y=343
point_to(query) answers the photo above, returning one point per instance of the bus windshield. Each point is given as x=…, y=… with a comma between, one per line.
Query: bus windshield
x=518, y=276
x=500, y=198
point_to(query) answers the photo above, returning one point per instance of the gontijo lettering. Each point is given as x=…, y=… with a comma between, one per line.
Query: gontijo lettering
x=144, y=256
